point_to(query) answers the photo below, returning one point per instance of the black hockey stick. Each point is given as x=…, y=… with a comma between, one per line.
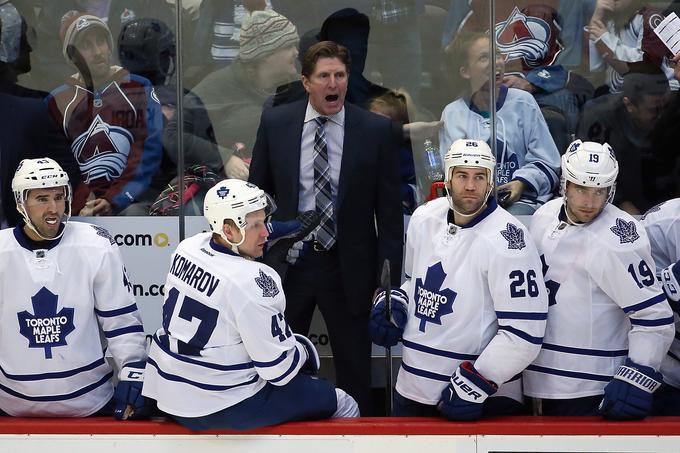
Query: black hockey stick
x=386, y=283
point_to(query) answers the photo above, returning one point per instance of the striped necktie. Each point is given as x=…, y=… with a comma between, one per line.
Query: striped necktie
x=325, y=232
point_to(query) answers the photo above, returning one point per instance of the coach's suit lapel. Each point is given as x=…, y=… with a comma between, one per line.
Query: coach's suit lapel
x=350, y=146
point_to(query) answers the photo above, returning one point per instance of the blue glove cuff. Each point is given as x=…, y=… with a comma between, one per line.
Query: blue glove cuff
x=640, y=376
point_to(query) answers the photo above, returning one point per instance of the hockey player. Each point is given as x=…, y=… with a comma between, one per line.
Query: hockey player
x=609, y=325
x=662, y=223
x=60, y=283
x=477, y=306
x=225, y=356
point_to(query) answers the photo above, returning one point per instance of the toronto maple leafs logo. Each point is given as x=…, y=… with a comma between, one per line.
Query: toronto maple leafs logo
x=103, y=232
x=433, y=302
x=514, y=236
x=625, y=231
x=267, y=285
x=47, y=328
x=656, y=208
x=222, y=192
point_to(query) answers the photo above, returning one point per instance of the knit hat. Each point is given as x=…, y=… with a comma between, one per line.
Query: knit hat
x=265, y=32
x=73, y=23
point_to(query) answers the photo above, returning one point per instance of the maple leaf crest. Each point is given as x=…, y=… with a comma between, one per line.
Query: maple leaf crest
x=103, y=232
x=433, y=302
x=625, y=231
x=47, y=328
x=514, y=236
x=652, y=209
x=267, y=285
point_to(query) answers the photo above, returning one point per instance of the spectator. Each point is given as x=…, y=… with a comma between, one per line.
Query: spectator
x=352, y=179
x=234, y=96
x=393, y=104
x=622, y=32
x=61, y=283
x=627, y=121
x=111, y=118
x=527, y=159
x=609, y=324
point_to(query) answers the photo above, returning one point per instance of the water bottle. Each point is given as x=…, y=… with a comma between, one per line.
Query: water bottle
x=433, y=162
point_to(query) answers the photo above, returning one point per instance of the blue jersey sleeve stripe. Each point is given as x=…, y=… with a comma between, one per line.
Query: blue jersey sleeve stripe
x=271, y=363
x=296, y=359
x=645, y=304
x=163, y=344
x=123, y=330
x=521, y=334
x=438, y=352
x=53, y=375
x=584, y=351
x=570, y=374
x=522, y=315
x=120, y=311
x=47, y=398
x=211, y=387
x=425, y=373
x=549, y=173
x=652, y=322
x=527, y=183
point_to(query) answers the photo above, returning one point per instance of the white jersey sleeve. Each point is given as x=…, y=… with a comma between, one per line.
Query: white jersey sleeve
x=276, y=354
x=116, y=308
x=625, y=271
x=520, y=301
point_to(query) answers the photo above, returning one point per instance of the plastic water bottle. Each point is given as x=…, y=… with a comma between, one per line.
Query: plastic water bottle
x=433, y=161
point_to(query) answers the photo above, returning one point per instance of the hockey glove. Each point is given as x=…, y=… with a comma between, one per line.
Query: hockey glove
x=130, y=404
x=297, y=251
x=463, y=399
x=670, y=278
x=629, y=395
x=387, y=332
x=312, y=364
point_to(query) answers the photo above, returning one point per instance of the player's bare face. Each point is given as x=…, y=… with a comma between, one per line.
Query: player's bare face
x=468, y=187
x=256, y=235
x=476, y=71
x=327, y=85
x=585, y=203
x=93, y=46
x=45, y=208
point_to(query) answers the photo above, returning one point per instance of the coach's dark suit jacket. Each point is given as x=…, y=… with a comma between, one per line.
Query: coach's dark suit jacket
x=368, y=206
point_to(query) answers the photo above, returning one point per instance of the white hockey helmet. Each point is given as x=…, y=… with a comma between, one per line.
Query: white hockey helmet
x=469, y=153
x=43, y=173
x=589, y=164
x=233, y=199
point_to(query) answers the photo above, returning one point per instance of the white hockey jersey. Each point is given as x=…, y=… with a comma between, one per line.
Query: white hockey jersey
x=224, y=334
x=605, y=303
x=475, y=294
x=662, y=223
x=52, y=303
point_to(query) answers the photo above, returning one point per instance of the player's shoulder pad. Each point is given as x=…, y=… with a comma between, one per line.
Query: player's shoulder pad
x=265, y=279
x=618, y=230
x=666, y=211
x=89, y=233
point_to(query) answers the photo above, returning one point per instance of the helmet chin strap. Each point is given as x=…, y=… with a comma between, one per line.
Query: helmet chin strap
x=29, y=224
x=232, y=245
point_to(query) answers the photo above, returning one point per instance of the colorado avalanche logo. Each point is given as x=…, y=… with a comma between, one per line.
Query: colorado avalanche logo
x=267, y=285
x=523, y=37
x=625, y=231
x=46, y=328
x=102, y=151
x=514, y=236
x=433, y=302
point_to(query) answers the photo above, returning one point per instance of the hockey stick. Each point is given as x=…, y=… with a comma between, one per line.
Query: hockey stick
x=386, y=283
